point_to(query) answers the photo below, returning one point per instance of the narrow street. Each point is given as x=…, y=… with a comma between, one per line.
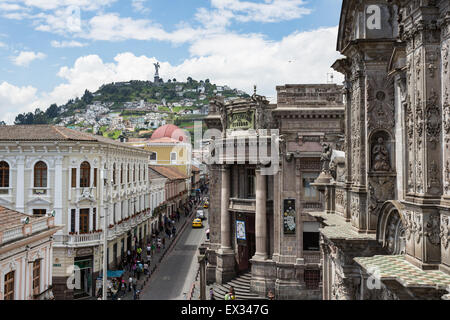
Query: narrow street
x=176, y=272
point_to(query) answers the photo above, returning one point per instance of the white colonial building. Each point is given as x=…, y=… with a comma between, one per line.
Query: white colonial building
x=80, y=177
x=26, y=246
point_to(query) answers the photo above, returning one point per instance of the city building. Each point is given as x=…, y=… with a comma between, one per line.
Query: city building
x=26, y=246
x=80, y=177
x=262, y=160
x=385, y=231
x=176, y=191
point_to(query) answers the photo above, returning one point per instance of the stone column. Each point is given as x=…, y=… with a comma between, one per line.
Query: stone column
x=225, y=270
x=225, y=241
x=261, y=216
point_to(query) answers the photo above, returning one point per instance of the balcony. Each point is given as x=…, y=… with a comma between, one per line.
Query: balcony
x=238, y=204
x=85, y=239
x=312, y=205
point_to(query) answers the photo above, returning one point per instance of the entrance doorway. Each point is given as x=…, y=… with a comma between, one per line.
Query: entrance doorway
x=246, y=248
x=83, y=277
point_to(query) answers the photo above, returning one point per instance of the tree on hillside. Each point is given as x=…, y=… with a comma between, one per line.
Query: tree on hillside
x=87, y=97
x=52, y=111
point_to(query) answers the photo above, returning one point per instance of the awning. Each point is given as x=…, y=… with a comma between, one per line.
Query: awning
x=112, y=274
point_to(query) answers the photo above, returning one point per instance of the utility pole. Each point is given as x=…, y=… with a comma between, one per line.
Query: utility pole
x=104, y=178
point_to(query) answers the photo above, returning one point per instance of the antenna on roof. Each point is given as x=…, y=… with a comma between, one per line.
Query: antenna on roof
x=330, y=78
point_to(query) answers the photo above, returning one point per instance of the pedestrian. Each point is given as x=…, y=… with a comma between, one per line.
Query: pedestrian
x=230, y=295
x=146, y=269
x=211, y=294
x=130, y=283
x=133, y=269
x=164, y=243
x=149, y=248
x=174, y=230
x=270, y=295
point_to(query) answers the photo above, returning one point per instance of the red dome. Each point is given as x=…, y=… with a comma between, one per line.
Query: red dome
x=169, y=131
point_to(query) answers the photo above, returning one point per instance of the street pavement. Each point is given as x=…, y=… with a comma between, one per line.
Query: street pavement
x=173, y=268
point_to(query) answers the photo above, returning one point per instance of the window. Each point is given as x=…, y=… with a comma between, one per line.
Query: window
x=74, y=177
x=173, y=157
x=250, y=183
x=114, y=174
x=311, y=241
x=153, y=156
x=128, y=173
x=9, y=286
x=309, y=192
x=40, y=175
x=85, y=174
x=72, y=220
x=84, y=221
x=95, y=177
x=4, y=174
x=134, y=173
x=94, y=219
x=39, y=211
x=121, y=174
x=37, y=277
x=312, y=279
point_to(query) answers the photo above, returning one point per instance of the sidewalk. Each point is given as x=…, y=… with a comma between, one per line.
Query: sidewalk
x=157, y=257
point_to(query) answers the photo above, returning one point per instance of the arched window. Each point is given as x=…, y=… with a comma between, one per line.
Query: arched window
x=114, y=174
x=4, y=174
x=85, y=174
x=40, y=175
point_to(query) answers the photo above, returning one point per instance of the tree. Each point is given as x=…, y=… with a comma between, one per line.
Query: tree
x=87, y=97
x=52, y=111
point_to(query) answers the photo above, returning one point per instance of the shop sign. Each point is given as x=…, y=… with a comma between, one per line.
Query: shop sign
x=243, y=120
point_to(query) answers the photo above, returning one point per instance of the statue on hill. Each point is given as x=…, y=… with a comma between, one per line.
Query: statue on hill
x=157, y=67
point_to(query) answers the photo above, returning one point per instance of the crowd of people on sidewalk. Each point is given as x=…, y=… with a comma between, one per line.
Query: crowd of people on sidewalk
x=137, y=263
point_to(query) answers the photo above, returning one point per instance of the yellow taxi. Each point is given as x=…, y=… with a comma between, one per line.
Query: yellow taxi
x=206, y=205
x=197, y=223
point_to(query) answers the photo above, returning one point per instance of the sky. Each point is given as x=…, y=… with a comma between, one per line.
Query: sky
x=53, y=50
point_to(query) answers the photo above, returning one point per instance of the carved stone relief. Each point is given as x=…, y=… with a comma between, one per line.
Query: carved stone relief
x=445, y=231
x=432, y=230
x=381, y=189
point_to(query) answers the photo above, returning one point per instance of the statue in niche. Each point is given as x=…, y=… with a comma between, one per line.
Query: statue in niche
x=325, y=158
x=380, y=156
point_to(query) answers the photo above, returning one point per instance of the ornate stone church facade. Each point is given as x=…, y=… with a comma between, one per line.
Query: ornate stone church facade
x=385, y=228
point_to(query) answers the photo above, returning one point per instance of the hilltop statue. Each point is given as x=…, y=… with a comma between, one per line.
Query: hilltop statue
x=157, y=67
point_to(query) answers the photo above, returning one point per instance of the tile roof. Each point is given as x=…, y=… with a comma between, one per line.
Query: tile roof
x=337, y=228
x=396, y=267
x=169, y=172
x=10, y=218
x=52, y=133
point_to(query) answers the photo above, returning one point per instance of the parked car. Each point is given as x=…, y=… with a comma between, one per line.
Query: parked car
x=197, y=223
x=200, y=214
x=206, y=205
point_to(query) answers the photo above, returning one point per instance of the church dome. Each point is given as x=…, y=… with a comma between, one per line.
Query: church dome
x=169, y=131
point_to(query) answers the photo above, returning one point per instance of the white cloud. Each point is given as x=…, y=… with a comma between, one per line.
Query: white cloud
x=2, y=45
x=67, y=44
x=14, y=100
x=246, y=11
x=239, y=61
x=140, y=6
x=26, y=57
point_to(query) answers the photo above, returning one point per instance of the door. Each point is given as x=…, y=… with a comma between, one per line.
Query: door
x=84, y=221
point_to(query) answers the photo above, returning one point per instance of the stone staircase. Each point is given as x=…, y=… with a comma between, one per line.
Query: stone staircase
x=241, y=287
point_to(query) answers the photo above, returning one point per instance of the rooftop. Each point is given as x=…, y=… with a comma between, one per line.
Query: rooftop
x=52, y=133
x=337, y=228
x=396, y=267
x=169, y=172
